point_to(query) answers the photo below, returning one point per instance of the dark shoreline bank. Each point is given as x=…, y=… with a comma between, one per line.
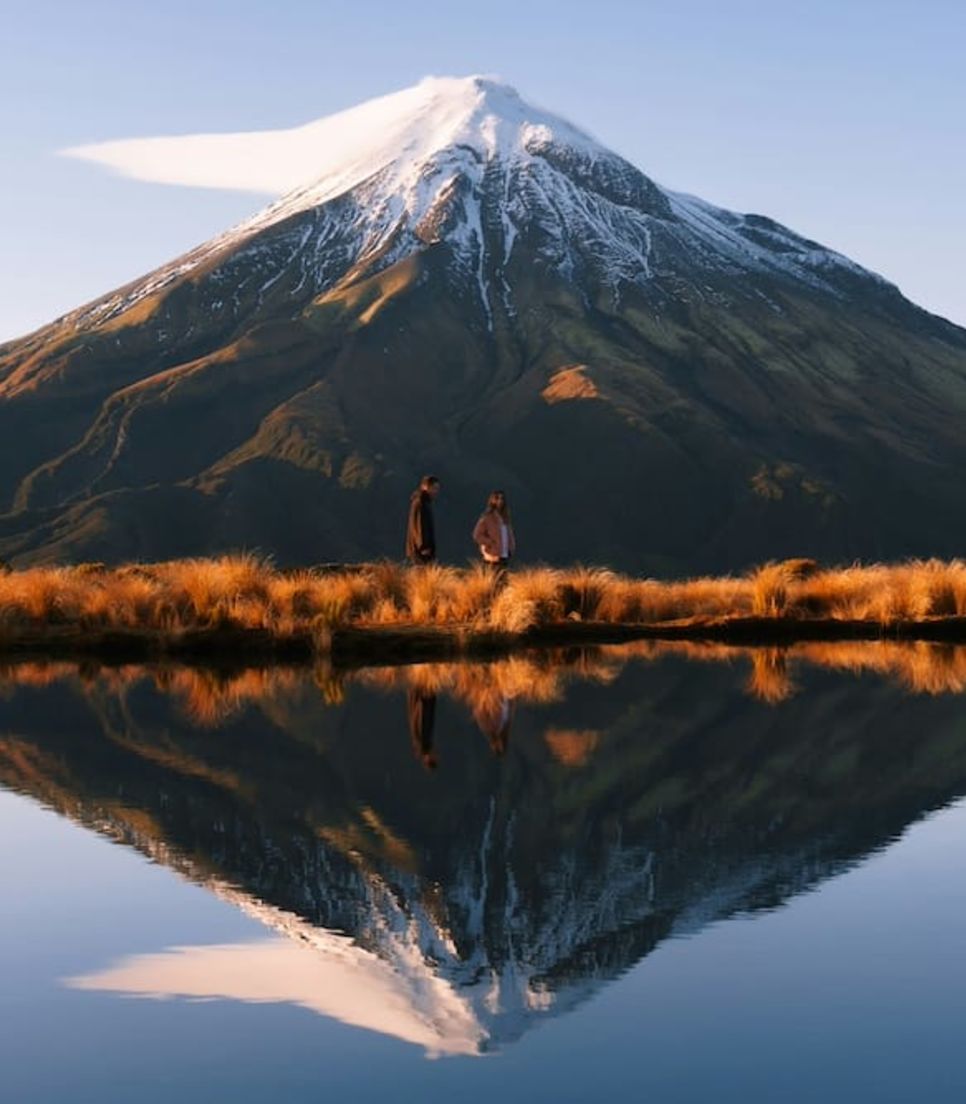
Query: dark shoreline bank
x=362, y=645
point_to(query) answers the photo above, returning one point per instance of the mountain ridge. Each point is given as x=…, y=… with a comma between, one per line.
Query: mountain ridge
x=737, y=374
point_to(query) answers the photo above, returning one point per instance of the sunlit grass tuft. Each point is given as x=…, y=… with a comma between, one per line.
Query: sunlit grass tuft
x=244, y=592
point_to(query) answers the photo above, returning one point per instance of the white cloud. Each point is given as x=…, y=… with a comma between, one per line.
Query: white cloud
x=267, y=162
x=346, y=146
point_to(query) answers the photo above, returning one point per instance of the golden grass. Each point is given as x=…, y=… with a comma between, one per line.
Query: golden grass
x=244, y=592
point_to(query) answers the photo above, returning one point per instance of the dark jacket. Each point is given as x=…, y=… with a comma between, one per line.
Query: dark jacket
x=420, y=531
x=486, y=536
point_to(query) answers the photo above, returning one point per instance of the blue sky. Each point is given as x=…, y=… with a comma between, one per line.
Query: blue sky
x=843, y=120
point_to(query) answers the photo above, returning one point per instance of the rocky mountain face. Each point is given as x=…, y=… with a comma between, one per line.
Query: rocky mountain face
x=474, y=287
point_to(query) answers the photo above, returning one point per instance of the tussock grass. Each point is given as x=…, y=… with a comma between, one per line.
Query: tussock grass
x=243, y=592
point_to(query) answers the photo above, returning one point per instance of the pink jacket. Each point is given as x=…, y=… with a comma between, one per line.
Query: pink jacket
x=486, y=535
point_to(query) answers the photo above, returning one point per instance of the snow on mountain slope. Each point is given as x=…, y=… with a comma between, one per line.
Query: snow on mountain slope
x=464, y=162
x=345, y=148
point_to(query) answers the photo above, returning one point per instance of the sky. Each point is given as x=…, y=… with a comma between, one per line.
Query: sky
x=844, y=120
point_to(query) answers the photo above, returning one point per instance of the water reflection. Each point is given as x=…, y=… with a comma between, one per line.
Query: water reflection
x=211, y=697
x=319, y=970
x=451, y=853
x=421, y=714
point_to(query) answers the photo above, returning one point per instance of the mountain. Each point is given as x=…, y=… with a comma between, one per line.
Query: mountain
x=472, y=286
x=460, y=908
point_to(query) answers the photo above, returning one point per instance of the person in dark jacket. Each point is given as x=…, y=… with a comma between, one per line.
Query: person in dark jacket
x=493, y=534
x=420, y=529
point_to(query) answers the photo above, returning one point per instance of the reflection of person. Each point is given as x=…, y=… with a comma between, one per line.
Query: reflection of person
x=421, y=714
x=493, y=533
x=420, y=528
x=493, y=718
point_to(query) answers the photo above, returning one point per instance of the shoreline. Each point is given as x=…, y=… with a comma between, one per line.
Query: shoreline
x=237, y=610
x=362, y=645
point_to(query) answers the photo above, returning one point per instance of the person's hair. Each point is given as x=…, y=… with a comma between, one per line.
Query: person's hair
x=429, y=481
x=492, y=504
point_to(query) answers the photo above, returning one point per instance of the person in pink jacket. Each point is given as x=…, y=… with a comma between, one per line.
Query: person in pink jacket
x=493, y=533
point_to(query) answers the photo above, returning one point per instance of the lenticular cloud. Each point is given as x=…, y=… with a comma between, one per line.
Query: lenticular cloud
x=259, y=161
x=264, y=161
x=348, y=144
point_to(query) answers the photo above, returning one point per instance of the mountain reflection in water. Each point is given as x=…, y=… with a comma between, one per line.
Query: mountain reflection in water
x=450, y=853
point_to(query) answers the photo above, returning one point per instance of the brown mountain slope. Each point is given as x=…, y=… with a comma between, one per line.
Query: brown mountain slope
x=656, y=383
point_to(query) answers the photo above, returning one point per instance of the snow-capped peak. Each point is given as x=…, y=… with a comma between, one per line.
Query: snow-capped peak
x=339, y=151
x=477, y=113
x=479, y=119
x=468, y=164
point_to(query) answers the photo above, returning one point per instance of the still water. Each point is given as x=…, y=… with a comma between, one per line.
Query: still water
x=662, y=874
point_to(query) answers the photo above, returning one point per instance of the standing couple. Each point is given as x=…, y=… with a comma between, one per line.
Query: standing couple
x=492, y=534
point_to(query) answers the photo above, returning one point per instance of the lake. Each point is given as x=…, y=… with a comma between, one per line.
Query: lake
x=667, y=873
